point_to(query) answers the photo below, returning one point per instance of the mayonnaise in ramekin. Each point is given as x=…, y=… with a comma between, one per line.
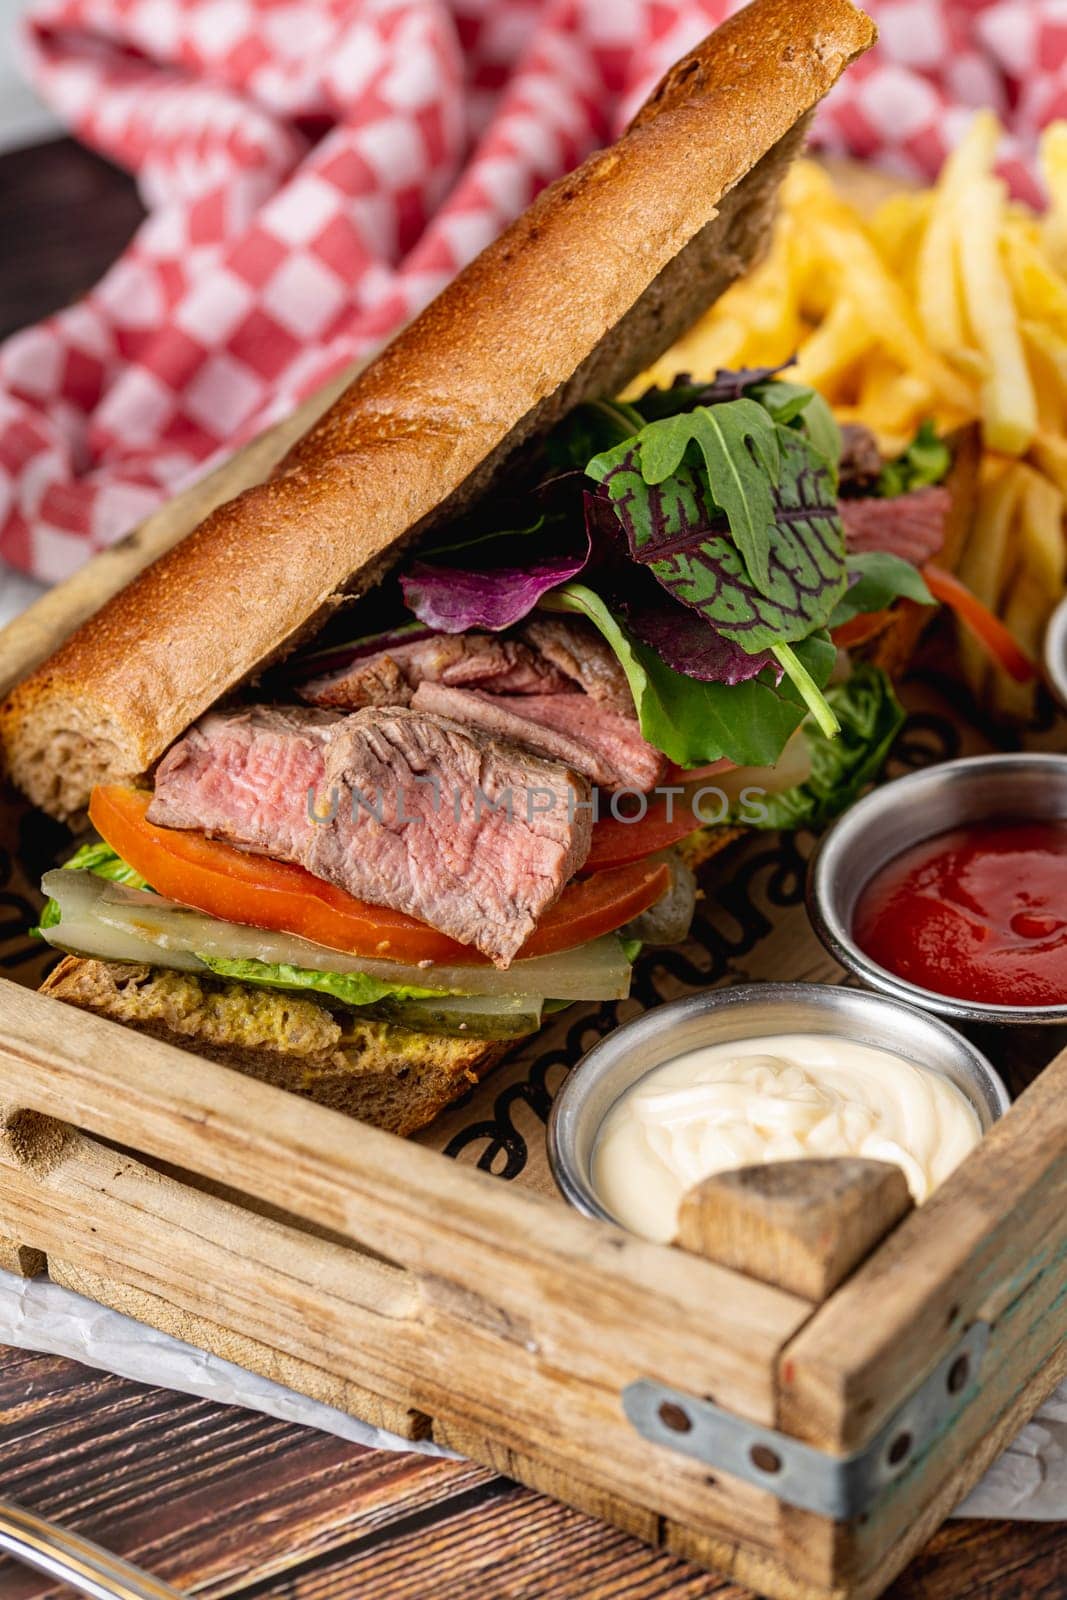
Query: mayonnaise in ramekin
x=774, y=1099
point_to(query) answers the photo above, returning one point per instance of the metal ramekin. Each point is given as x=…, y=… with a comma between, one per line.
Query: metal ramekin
x=751, y=1011
x=1015, y=788
x=1055, y=652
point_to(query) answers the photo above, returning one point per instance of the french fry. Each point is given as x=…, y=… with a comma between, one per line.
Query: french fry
x=1026, y=611
x=986, y=565
x=893, y=403
x=1043, y=553
x=1053, y=152
x=835, y=346
x=1009, y=405
x=897, y=228
x=1046, y=355
x=939, y=289
x=1049, y=453
x=1040, y=291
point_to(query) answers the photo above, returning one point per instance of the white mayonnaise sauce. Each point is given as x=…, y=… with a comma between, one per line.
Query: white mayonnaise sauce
x=774, y=1099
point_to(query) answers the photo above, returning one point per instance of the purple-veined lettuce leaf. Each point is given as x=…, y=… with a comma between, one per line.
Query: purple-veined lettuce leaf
x=687, y=643
x=777, y=500
x=685, y=391
x=492, y=579
x=453, y=599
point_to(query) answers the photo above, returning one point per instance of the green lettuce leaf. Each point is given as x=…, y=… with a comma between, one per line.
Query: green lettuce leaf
x=926, y=461
x=351, y=988
x=870, y=717
x=99, y=858
x=693, y=722
x=876, y=579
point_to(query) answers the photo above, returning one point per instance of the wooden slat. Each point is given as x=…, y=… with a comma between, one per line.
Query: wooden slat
x=156, y=1310
x=583, y=1296
x=324, y=1304
x=235, y=1505
x=202, y=1495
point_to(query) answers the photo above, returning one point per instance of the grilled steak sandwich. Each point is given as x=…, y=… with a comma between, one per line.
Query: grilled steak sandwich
x=415, y=741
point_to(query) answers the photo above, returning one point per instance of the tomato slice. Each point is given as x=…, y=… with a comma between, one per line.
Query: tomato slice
x=225, y=882
x=987, y=628
x=617, y=841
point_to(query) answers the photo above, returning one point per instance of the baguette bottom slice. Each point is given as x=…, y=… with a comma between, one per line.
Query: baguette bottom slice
x=383, y=1074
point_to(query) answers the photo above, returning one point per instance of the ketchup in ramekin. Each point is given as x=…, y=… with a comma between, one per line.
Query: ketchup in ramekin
x=978, y=913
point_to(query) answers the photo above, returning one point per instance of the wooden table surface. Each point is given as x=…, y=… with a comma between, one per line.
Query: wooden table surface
x=224, y=1502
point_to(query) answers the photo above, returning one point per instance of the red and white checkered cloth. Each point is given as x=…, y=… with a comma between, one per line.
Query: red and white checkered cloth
x=315, y=171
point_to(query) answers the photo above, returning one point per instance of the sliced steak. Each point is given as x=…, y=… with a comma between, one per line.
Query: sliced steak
x=911, y=526
x=389, y=677
x=244, y=775
x=472, y=835
x=574, y=728
x=475, y=837
x=578, y=651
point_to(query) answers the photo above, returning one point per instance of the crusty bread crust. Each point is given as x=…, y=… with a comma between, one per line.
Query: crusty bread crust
x=376, y=1071
x=599, y=277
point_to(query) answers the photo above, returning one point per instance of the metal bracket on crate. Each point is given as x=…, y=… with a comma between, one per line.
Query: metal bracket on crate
x=840, y=1487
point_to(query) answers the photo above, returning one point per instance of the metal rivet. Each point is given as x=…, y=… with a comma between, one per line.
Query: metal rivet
x=899, y=1449
x=959, y=1372
x=766, y=1459
x=674, y=1418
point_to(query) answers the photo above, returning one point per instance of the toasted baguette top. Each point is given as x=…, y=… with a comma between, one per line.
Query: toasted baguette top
x=589, y=286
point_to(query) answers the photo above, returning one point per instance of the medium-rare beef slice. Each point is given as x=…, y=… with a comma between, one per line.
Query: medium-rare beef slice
x=464, y=660
x=582, y=655
x=585, y=733
x=244, y=775
x=475, y=837
x=472, y=835
x=911, y=525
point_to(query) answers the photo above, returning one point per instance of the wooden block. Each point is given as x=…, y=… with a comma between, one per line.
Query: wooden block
x=801, y=1225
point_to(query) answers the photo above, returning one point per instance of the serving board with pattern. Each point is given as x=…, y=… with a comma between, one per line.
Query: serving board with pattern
x=440, y=1287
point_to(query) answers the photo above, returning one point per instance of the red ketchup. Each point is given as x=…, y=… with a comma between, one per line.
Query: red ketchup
x=979, y=913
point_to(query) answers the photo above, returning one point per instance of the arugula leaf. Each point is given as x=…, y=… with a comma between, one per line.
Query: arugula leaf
x=870, y=717
x=694, y=723
x=351, y=988
x=926, y=461
x=876, y=579
x=794, y=405
x=96, y=857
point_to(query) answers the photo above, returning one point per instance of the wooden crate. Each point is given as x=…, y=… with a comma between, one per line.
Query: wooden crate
x=428, y=1296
